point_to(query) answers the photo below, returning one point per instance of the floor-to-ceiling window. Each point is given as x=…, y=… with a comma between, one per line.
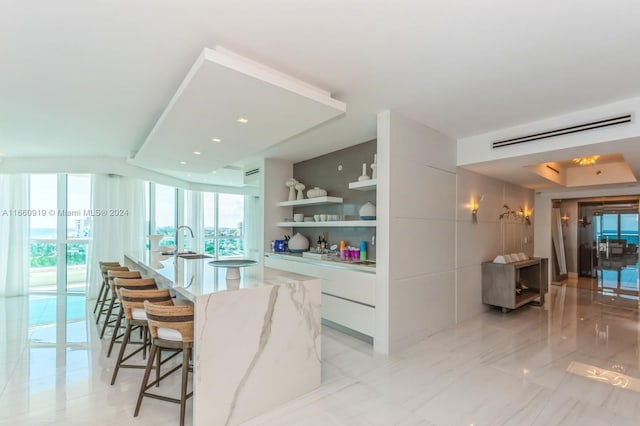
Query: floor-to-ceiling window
x=60, y=229
x=229, y=235
x=163, y=212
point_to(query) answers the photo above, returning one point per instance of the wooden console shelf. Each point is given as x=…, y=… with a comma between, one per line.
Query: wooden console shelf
x=499, y=283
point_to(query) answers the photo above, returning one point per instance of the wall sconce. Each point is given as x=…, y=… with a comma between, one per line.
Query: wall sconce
x=583, y=221
x=475, y=206
x=564, y=219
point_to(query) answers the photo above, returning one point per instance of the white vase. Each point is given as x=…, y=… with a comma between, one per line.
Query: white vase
x=368, y=211
x=298, y=243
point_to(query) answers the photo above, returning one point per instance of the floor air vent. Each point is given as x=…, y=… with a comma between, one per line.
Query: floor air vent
x=622, y=119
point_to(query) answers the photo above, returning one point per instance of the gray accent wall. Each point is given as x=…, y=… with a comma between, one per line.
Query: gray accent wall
x=324, y=172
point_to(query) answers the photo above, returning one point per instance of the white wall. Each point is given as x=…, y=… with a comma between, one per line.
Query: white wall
x=272, y=189
x=481, y=241
x=418, y=199
x=429, y=273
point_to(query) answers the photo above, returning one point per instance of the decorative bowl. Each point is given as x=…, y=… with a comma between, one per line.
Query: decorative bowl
x=316, y=192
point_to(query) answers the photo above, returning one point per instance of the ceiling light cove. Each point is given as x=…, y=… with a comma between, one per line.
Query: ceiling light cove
x=280, y=107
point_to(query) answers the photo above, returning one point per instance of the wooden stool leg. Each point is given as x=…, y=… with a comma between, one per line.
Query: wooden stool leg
x=145, y=379
x=125, y=340
x=157, y=367
x=102, y=303
x=116, y=329
x=183, y=389
x=107, y=319
x=99, y=299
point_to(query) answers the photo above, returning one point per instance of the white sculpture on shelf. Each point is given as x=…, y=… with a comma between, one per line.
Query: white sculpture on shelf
x=291, y=183
x=374, y=167
x=364, y=173
x=300, y=187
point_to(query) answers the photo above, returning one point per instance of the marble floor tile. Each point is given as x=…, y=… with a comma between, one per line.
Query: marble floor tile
x=517, y=368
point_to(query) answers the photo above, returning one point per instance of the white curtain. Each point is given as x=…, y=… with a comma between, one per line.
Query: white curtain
x=14, y=235
x=119, y=228
x=195, y=219
x=251, y=231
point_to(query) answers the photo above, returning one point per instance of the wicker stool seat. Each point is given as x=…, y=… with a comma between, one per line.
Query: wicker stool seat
x=102, y=295
x=132, y=301
x=104, y=289
x=111, y=275
x=133, y=284
x=171, y=327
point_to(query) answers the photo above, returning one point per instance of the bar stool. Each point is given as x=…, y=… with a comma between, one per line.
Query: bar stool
x=133, y=284
x=111, y=275
x=104, y=290
x=171, y=327
x=102, y=295
x=133, y=306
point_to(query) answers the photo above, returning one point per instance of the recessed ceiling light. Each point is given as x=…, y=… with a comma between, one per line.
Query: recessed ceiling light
x=197, y=152
x=216, y=140
x=243, y=120
x=184, y=163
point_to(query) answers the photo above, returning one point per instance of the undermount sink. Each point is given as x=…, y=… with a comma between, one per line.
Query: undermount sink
x=194, y=256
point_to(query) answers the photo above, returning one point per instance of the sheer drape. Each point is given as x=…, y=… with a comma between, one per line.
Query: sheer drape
x=195, y=219
x=14, y=235
x=121, y=229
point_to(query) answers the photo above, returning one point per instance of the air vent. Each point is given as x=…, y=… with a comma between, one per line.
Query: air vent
x=622, y=119
x=252, y=177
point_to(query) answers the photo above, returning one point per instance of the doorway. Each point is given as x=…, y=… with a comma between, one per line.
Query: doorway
x=608, y=246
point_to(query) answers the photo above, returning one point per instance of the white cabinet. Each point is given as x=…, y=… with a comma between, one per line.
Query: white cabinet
x=348, y=297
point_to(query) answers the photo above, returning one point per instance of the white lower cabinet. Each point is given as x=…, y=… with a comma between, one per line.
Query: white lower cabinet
x=348, y=297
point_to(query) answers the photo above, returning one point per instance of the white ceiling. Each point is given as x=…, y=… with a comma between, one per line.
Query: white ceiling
x=85, y=78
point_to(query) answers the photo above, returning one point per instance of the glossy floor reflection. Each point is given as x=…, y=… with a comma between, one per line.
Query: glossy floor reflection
x=574, y=361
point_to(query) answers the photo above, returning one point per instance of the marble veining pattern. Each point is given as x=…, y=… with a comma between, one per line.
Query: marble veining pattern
x=493, y=369
x=264, y=339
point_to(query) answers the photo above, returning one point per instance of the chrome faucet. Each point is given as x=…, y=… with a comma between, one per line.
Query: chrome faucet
x=177, y=250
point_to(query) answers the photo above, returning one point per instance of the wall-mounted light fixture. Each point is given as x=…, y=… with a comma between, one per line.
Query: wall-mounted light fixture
x=564, y=219
x=475, y=206
x=583, y=221
x=527, y=216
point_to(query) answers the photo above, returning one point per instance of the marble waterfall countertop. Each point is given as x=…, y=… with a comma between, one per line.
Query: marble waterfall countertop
x=257, y=339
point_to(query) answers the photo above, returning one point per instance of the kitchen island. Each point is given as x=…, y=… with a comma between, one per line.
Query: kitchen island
x=257, y=339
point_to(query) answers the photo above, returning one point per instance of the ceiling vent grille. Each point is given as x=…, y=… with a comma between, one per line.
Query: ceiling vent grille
x=252, y=177
x=622, y=119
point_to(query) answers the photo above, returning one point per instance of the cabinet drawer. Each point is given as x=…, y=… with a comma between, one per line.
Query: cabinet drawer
x=352, y=285
x=355, y=316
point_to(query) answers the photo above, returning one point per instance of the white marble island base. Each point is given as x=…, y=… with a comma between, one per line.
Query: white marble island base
x=252, y=359
x=257, y=340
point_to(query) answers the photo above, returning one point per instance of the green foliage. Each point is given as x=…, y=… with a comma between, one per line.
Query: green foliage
x=44, y=255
